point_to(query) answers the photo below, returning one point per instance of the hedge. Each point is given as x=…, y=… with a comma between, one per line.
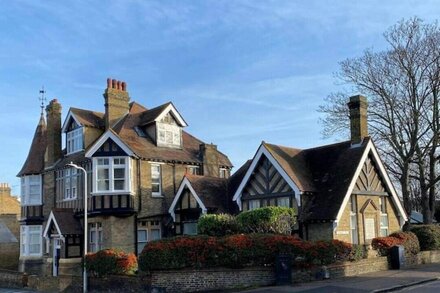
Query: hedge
x=428, y=235
x=111, y=262
x=241, y=250
x=278, y=220
x=218, y=225
x=408, y=239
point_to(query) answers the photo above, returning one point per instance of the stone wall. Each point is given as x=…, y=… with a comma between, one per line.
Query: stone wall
x=12, y=279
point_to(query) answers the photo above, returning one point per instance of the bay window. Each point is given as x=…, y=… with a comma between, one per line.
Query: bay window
x=111, y=174
x=31, y=190
x=31, y=240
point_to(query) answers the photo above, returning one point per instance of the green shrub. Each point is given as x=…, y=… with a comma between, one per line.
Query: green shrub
x=111, y=262
x=241, y=250
x=217, y=225
x=278, y=220
x=409, y=241
x=428, y=235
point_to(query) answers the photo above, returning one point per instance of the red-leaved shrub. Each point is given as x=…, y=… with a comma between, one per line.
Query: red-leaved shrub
x=111, y=262
x=241, y=250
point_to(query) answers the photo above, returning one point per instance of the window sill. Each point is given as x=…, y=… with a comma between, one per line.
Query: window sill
x=69, y=199
x=97, y=193
x=157, y=195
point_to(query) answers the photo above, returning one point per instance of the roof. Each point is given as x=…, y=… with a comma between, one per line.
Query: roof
x=322, y=174
x=34, y=163
x=89, y=118
x=6, y=236
x=65, y=220
x=212, y=191
x=144, y=147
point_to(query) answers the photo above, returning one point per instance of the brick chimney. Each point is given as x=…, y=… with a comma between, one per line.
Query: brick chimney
x=358, y=106
x=53, y=116
x=210, y=159
x=5, y=190
x=116, y=102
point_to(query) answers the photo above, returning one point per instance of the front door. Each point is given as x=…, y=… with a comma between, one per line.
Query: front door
x=56, y=256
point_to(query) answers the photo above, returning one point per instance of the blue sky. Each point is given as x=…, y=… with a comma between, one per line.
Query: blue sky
x=239, y=71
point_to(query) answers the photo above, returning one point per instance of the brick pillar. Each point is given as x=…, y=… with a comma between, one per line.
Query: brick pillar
x=53, y=114
x=210, y=160
x=358, y=106
x=116, y=102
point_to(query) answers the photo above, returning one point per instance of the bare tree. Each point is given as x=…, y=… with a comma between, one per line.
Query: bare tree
x=402, y=85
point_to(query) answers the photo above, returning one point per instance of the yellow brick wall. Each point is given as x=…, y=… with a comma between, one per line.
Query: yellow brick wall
x=344, y=223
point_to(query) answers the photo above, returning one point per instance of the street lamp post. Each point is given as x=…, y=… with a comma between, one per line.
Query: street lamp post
x=85, y=222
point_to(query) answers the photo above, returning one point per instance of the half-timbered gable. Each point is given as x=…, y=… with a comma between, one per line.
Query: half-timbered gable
x=267, y=187
x=370, y=182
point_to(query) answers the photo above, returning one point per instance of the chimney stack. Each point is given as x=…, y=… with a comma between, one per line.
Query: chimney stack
x=358, y=106
x=54, y=151
x=116, y=102
x=210, y=159
x=5, y=190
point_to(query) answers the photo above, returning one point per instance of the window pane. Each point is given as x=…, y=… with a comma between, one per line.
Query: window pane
x=103, y=162
x=103, y=173
x=119, y=173
x=155, y=233
x=283, y=202
x=190, y=228
x=142, y=235
x=140, y=246
x=103, y=185
x=155, y=187
x=119, y=184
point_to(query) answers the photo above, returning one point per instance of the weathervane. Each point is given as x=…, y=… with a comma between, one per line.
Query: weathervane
x=42, y=98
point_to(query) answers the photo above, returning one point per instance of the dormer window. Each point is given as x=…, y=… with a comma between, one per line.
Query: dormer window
x=169, y=134
x=74, y=138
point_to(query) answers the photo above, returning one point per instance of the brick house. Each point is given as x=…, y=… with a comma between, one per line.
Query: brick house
x=9, y=228
x=341, y=191
x=134, y=157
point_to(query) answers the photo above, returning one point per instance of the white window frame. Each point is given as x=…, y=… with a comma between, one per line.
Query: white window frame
x=223, y=173
x=95, y=245
x=70, y=184
x=74, y=140
x=111, y=167
x=164, y=131
x=382, y=205
x=157, y=193
x=354, y=231
x=26, y=183
x=142, y=242
x=193, y=170
x=25, y=237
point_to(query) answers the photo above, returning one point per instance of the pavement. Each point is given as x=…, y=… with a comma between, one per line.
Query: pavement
x=383, y=281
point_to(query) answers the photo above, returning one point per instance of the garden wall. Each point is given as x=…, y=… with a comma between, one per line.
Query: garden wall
x=205, y=279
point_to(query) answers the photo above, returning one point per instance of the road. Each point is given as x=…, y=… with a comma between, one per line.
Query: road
x=424, y=288
x=9, y=290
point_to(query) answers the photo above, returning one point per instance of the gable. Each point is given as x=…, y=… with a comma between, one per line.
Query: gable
x=109, y=149
x=266, y=180
x=168, y=119
x=369, y=179
x=365, y=176
x=116, y=140
x=262, y=152
x=70, y=119
x=185, y=191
